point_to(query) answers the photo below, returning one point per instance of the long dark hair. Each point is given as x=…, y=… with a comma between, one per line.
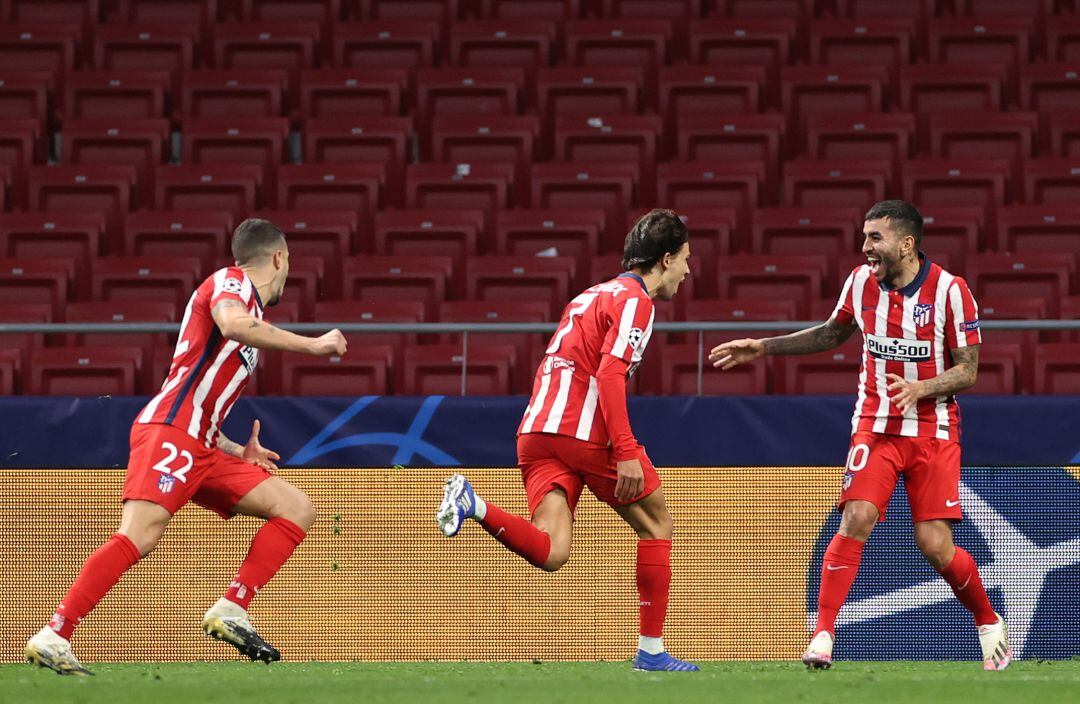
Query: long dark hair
x=656, y=233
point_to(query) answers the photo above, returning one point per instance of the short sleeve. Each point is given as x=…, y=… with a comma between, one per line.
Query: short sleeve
x=230, y=284
x=844, y=312
x=961, y=316
x=632, y=320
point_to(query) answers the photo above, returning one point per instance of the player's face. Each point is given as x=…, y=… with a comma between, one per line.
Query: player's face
x=280, y=275
x=678, y=268
x=884, y=249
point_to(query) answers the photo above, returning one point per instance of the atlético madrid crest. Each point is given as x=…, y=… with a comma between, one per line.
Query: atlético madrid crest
x=922, y=313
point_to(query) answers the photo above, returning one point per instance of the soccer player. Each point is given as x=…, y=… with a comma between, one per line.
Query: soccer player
x=576, y=431
x=178, y=454
x=921, y=338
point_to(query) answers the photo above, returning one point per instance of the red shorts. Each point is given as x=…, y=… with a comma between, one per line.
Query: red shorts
x=548, y=461
x=931, y=470
x=169, y=467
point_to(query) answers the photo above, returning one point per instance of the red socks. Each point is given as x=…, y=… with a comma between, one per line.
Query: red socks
x=270, y=548
x=653, y=584
x=838, y=571
x=518, y=535
x=962, y=574
x=101, y=571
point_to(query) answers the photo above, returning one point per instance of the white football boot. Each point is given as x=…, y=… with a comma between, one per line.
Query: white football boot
x=227, y=621
x=48, y=649
x=818, y=655
x=994, y=640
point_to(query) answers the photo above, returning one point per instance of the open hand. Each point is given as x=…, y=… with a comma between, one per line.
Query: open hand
x=736, y=352
x=907, y=392
x=255, y=453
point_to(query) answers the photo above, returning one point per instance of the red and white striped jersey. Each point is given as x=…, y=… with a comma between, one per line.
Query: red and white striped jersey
x=208, y=371
x=613, y=318
x=908, y=332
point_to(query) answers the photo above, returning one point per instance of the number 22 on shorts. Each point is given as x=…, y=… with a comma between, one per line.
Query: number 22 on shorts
x=173, y=453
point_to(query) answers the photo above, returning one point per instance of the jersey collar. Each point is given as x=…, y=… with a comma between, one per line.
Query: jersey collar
x=635, y=277
x=258, y=298
x=920, y=278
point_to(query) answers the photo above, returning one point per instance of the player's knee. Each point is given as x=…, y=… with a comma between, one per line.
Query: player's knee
x=300, y=510
x=145, y=538
x=660, y=526
x=858, y=520
x=936, y=547
x=558, y=557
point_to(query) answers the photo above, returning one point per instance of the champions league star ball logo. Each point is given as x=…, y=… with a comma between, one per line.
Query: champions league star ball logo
x=634, y=337
x=1021, y=526
x=232, y=286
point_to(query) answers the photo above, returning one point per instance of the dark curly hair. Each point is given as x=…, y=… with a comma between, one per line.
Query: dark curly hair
x=656, y=233
x=903, y=216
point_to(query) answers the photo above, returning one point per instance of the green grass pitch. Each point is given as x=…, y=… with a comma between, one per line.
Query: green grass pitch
x=1037, y=682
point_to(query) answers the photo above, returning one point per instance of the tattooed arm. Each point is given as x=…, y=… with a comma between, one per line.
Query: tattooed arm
x=819, y=338
x=253, y=452
x=961, y=375
x=237, y=323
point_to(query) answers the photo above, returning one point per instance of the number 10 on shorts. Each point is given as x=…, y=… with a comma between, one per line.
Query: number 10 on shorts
x=856, y=460
x=169, y=471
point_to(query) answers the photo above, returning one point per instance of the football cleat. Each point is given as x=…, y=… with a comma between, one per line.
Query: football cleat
x=48, y=649
x=994, y=640
x=458, y=504
x=229, y=622
x=661, y=662
x=818, y=655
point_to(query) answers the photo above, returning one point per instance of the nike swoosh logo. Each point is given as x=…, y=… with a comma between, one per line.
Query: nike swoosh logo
x=500, y=532
x=833, y=568
x=950, y=504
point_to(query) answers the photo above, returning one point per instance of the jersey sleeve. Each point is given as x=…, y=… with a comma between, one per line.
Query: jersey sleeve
x=844, y=312
x=631, y=328
x=961, y=317
x=230, y=284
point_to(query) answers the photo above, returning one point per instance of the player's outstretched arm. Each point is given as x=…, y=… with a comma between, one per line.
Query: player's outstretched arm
x=819, y=338
x=960, y=376
x=236, y=323
x=253, y=452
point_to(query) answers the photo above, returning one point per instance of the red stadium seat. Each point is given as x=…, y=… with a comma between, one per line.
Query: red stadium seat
x=1062, y=134
x=773, y=277
x=84, y=371
x=953, y=231
x=635, y=43
x=880, y=137
x=806, y=90
x=328, y=234
x=403, y=44
x=580, y=90
x=1039, y=228
x=674, y=10
x=88, y=188
x=999, y=370
x=746, y=41
x=115, y=94
x=125, y=312
x=710, y=90
x=39, y=47
x=439, y=10
x=829, y=231
x=565, y=232
x=880, y=41
x=366, y=371
x=355, y=187
x=1023, y=275
x=15, y=347
x=389, y=278
x=74, y=236
x=466, y=139
x=952, y=182
x=38, y=282
x=10, y=376
x=712, y=237
x=972, y=89
x=1025, y=341
x=145, y=47
x=24, y=94
x=288, y=45
x=170, y=279
x=482, y=186
x=322, y=11
x=611, y=186
x=352, y=91
x=612, y=138
x=437, y=370
x=531, y=9
x=232, y=188
x=467, y=91
x=115, y=140
x=1003, y=41
x=1050, y=89
x=74, y=12
x=187, y=233
x=363, y=139
x=376, y=312
x=794, y=9
x=259, y=141
x=920, y=9
x=527, y=44
x=1057, y=369
x=833, y=372
x=679, y=366
x=836, y=184
x=1010, y=136
x=734, y=138
x=233, y=93
x=429, y=232
x=1063, y=38
x=736, y=310
x=1052, y=181
x=508, y=278
x=684, y=185
x=197, y=12
x=528, y=348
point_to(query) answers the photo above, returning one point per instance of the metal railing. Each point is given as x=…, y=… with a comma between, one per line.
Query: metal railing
x=700, y=327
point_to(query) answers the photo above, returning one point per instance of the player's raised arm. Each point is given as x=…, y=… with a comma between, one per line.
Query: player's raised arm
x=237, y=323
x=832, y=333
